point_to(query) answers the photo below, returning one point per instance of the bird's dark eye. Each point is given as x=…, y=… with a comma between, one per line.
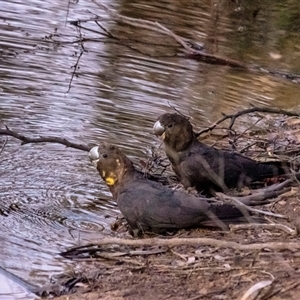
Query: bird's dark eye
x=170, y=125
x=104, y=155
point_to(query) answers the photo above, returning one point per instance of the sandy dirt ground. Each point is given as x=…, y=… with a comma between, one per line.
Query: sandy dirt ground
x=202, y=272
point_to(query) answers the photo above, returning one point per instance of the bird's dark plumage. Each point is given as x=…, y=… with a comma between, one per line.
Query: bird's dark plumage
x=203, y=167
x=150, y=206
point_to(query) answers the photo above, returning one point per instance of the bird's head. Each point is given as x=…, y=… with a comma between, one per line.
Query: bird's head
x=175, y=130
x=110, y=162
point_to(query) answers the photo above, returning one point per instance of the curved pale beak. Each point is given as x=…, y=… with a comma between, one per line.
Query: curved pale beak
x=159, y=130
x=94, y=154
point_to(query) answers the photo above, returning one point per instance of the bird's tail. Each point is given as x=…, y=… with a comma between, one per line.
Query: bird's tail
x=221, y=215
x=273, y=168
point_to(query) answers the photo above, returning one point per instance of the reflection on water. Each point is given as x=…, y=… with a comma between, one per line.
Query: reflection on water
x=10, y=290
x=51, y=196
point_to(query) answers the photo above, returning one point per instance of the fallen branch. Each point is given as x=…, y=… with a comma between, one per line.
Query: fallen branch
x=233, y=117
x=83, y=252
x=44, y=139
x=190, y=50
x=173, y=242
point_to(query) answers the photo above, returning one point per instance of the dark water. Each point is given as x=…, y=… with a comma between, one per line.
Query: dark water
x=51, y=196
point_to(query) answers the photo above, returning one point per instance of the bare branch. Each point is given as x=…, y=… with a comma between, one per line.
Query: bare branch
x=233, y=117
x=44, y=139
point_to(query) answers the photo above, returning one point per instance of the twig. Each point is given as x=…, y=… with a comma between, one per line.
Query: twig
x=78, y=25
x=108, y=257
x=105, y=30
x=183, y=257
x=68, y=11
x=247, y=147
x=287, y=288
x=247, y=111
x=173, y=242
x=255, y=289
x=44, y=139
x=288, y=230
x=270, y=293
x=242, y=133
x=145, y=24
x=4, y=144
x=176, y=38
x=76, y=66
x=177, y=110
